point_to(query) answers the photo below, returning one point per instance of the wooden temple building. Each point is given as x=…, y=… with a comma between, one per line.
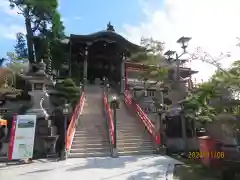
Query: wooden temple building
x=107, y=54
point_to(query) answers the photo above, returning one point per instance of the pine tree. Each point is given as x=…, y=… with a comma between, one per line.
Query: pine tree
x=36, y=13
x=20, y=47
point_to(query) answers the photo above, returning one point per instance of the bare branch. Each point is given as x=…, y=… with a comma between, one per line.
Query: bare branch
x=207, y=58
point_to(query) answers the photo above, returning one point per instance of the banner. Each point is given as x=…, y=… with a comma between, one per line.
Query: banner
x=22, y=137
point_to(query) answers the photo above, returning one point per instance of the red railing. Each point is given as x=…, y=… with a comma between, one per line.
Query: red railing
x=108, y=113
x=144, y=119
x=72, y=125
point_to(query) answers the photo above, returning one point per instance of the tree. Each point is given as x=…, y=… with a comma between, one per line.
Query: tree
x=2, y=60
x=69, y=90
x=20, y=47
x=16, y=64
x=57, y=34
x=216, y=96
x=152, y=54
x=36, y=14
x=48, y=46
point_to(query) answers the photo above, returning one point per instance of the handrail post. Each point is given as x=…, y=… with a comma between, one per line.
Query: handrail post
x=114, y=151
x=114, y=106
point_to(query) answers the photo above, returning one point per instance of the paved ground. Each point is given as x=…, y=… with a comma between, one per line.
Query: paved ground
x=123, y=168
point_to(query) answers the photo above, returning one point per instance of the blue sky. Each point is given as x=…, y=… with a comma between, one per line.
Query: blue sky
x=80, y=17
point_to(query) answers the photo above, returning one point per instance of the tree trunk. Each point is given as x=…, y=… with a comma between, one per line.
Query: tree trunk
x=29, y=37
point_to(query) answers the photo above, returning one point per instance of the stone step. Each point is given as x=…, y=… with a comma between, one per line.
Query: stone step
x=134, y=144
x=90, y=134
x=89, y=142
x=89, y=154
x=126, y=128
x=3, y=158
x=89, y=145
x=127, y=136
x=134, y=147
x=95, y=149
x=133, y=138
x=79, y=138
x=132, y=133
x=129, y=125
x=135, y=152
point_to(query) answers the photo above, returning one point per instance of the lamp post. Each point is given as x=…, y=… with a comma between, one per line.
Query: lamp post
x=114, y=104
x=65, y=111
x=107, y=87
x=183, y=41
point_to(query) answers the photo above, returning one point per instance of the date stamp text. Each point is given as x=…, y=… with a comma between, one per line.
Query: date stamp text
x=208, y=154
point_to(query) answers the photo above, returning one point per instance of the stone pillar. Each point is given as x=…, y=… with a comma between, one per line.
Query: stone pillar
x=85, y=66
x=123, y=75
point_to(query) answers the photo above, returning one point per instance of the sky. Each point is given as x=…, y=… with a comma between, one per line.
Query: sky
x=212, y=24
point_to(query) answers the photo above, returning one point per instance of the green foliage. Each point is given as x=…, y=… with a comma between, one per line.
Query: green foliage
x=37, y=15
x=151, y=55
x=16, y=64
x=57, y=28
x=69, y=90
x=20, y=47
x=215, y=96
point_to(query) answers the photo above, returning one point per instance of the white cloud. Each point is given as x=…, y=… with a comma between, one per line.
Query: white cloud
x=9, y=32
x=212, y=24
x=5, y=7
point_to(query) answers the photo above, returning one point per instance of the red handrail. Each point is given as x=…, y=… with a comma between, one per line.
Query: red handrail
x=145, y=120
x=109, y=118
x=72, y=125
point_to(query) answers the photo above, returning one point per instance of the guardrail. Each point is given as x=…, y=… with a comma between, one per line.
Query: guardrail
x=142, y=116
x=72, y=125
x=108, y=114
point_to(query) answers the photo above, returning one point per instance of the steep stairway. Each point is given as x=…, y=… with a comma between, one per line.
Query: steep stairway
x=91, y=136
x=132, y=137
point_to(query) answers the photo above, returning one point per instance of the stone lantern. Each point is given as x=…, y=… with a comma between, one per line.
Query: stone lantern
x=46, y=132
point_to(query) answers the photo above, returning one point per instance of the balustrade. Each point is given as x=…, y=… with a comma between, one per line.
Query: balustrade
x=143, y=117
x=74, y=120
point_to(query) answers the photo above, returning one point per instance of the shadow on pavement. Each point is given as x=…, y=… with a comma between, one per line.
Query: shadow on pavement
x=104, y=163
x=154, y=170
x=140, y=168
x=37, y=171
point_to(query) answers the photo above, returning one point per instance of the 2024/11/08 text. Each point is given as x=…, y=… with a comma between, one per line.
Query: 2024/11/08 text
x=208, y=154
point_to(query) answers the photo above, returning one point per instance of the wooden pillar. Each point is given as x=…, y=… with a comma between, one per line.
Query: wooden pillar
x=123, y=76
x=70, y=59
x=85, y=66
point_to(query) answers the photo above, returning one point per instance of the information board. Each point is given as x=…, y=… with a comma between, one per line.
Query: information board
x=22, y=137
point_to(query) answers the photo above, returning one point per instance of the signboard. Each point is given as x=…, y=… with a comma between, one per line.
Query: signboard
x=22, y=137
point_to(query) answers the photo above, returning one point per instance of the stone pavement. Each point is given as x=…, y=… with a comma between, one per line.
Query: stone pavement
x=98, y=168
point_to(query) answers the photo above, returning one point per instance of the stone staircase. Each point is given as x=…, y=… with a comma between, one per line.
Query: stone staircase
x=91, y=136
x=132, y=137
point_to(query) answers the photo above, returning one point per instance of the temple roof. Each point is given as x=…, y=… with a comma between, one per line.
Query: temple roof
x=107, y=35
